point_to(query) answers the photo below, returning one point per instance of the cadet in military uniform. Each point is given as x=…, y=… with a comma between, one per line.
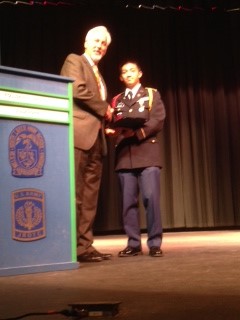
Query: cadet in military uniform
x=138, y=161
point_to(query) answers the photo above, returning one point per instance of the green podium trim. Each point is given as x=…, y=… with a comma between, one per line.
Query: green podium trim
x=72, y=174
x=38, y=97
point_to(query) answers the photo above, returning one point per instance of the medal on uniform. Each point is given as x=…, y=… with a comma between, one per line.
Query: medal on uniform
x=120, y=105
x=141, y=108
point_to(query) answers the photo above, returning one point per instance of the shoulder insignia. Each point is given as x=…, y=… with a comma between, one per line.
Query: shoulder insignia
x=150, y=93
x=150, y=88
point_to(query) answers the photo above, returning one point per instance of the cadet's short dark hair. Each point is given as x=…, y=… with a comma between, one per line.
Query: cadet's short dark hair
x=129, y=61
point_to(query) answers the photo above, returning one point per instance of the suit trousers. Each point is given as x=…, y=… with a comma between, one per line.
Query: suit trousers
x=147, y=183
x=88, y=171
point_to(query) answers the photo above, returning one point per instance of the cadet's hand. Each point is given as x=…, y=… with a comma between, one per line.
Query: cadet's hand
x=127, y=133
x=110, y=132
x=113, y=132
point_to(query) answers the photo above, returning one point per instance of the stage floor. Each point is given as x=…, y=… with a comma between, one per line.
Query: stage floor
x=198, y=278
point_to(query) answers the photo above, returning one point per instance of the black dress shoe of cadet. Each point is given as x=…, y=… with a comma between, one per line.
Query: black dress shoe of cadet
x=104, y=256
x=155, y=252
x=130, y=252
x=90, y=257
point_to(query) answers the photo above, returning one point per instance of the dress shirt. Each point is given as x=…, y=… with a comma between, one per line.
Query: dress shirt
x=133, y=90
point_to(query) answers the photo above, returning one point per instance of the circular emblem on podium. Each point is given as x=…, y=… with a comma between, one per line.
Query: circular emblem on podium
x=27, y=151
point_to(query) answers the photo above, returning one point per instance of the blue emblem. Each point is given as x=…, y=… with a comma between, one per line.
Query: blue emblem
x=28, y=215
x=26, y=151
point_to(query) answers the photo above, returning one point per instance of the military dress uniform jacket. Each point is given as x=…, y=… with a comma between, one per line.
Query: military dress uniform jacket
x=143, y=149
x=88, y=107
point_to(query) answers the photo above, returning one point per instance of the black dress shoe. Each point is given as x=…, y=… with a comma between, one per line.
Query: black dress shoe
x=104, y=256
x=90, y=257
x=130, y=252
x=155, y=252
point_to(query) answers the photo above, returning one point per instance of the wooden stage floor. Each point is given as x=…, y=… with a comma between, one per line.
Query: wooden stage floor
x=198, y=278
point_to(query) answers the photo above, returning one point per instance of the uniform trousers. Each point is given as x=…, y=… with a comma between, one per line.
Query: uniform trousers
x=88, y=171
x=146, y=182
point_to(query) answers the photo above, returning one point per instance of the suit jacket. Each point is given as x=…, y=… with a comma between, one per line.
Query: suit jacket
x=143, y=149
x=88, y=107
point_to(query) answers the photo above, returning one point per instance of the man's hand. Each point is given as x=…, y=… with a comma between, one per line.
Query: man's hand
x=108, y=114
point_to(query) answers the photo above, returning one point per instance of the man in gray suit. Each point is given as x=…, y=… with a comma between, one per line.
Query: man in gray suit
x=90, y=109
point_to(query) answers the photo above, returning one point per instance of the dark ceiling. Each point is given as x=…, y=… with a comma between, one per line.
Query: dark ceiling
x=204, y=5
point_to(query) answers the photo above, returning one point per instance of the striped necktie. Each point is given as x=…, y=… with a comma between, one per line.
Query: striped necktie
x=129, y=95
x=99, y=82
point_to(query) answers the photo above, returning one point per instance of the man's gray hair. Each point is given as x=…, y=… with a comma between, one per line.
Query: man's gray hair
x=96, y=29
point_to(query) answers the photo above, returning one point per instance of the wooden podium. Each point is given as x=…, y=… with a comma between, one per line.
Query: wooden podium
x=37, y=188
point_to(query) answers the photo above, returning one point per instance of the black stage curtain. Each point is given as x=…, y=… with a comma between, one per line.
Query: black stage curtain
x=193, y=58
